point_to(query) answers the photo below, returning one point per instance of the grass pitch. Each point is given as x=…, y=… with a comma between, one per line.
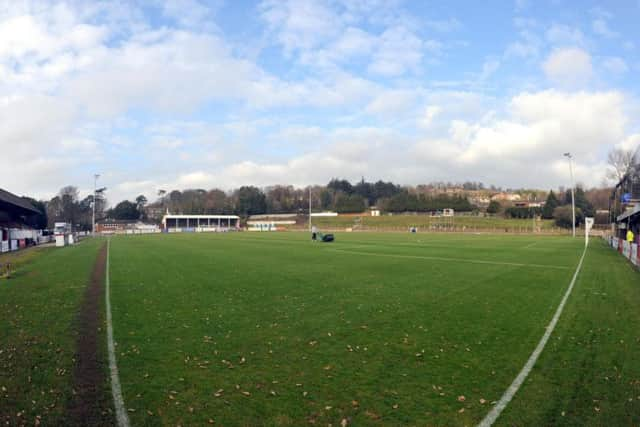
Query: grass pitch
x=251, y=329
x=373, y=329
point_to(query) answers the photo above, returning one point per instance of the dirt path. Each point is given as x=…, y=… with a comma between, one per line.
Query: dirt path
x=89, y=405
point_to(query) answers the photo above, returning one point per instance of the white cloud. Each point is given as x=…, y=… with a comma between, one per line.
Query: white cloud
x=568, y=67
x=632, y=142
x=327, y=34
x=521, y=148
x=300, y=135
x=540, y=127
x=615, y=65
x=302, y=24
x=489, y=67
x=429, y=115
x=400, y=51
x=563, y=35
x=601, y=27
x=190, y=13
x=528, y=46
x=391, y=103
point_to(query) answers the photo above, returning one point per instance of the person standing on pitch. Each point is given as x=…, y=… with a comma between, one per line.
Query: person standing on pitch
x=314, y=233
x=630, y=236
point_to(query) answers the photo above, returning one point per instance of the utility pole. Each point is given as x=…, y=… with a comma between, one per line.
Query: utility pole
x=95, y=192
x=573, y=199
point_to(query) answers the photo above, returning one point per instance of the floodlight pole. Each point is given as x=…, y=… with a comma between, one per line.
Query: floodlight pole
x=309, y=208
x=93, y=219
x=573, y=199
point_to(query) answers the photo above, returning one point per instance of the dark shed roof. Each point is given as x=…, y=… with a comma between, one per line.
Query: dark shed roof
x=11, y=201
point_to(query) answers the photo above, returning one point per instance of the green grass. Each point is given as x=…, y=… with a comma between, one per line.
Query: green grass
x=37, y=341
x=589, y=374
x=426, y=222
x=377, y=329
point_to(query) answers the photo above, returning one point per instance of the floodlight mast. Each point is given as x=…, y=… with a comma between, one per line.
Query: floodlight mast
x=310, y=208
x=573, y=200
x=93, y=218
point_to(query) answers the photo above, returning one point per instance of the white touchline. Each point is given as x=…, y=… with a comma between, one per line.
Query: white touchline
x=121, y=413
x=438, y=258
x=495, y=412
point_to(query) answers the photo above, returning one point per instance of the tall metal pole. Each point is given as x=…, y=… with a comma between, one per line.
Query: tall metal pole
x=309, y=208
x=573, y=199
x=93, y=220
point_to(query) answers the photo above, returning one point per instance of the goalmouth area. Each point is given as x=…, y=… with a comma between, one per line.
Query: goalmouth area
x=373, y=329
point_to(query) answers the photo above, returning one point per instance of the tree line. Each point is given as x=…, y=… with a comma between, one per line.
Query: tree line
x=338, y=195
x=556, y=208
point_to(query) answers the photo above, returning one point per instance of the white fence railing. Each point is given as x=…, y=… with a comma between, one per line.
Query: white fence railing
x=627, y=249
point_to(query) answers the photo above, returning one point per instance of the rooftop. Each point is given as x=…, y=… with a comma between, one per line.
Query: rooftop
x=14, y=201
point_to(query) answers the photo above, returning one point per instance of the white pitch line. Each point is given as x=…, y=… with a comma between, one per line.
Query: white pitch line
x=437, y=258
x=121, y=413
x=530, y=245
x=495, y=412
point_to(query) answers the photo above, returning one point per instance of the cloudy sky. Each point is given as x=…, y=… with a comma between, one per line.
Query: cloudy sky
x=198, y=94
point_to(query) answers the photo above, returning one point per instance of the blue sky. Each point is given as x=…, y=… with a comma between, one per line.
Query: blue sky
x=201, y=94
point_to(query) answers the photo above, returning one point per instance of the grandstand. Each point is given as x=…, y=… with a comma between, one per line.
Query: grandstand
x=14, y=213
x=625, y=202
x=177, y=223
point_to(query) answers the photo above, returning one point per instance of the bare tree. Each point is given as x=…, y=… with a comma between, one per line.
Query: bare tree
x=620, y=162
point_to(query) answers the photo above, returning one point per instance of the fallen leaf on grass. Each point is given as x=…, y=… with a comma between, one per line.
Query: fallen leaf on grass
x=372, y=415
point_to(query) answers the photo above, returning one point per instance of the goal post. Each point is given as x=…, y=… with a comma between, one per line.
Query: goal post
x=588, y=225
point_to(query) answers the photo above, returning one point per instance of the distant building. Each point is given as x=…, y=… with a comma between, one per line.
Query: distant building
x=505, y=197
x=480, y=201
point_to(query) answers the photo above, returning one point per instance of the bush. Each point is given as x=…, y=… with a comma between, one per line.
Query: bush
x=563, y=214
x=494, y=207
x=522, y=213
